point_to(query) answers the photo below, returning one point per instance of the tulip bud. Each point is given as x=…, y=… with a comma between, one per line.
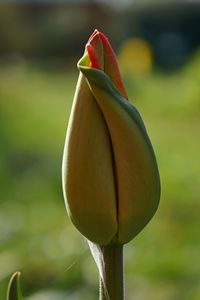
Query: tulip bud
x=110, y=177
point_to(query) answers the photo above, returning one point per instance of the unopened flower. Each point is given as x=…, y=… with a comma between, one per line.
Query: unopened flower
x=110, y=177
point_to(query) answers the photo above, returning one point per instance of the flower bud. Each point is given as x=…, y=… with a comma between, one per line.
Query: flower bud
x=110, y=177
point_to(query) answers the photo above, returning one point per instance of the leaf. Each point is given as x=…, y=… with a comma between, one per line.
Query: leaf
x=97, y=254
x=14, y=290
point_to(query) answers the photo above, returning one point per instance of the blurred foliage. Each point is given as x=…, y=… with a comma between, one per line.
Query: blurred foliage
x=36, y=236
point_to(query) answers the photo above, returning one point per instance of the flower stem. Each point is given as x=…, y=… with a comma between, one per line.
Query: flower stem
x=112, y=286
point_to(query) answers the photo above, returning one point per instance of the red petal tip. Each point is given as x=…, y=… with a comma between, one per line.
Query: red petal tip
x=92, y=56
x=93, y=35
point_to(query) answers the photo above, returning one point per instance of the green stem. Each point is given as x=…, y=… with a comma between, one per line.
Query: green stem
x=113, y=286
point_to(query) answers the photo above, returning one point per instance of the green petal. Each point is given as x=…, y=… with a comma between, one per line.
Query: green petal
x=101, y=80
x=88, y=182
x=137, y=177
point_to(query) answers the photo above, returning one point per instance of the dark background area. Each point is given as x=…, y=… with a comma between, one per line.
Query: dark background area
x=56, y=29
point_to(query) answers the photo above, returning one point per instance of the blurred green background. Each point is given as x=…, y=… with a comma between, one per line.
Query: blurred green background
x=158, y=50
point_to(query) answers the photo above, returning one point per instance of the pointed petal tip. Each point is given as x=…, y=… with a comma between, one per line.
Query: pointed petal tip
x=95, y=33
x=110, y=60
x=94, y=63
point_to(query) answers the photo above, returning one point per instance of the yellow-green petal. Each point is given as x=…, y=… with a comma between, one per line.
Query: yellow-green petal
x=88, y=183
x=137, y=178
